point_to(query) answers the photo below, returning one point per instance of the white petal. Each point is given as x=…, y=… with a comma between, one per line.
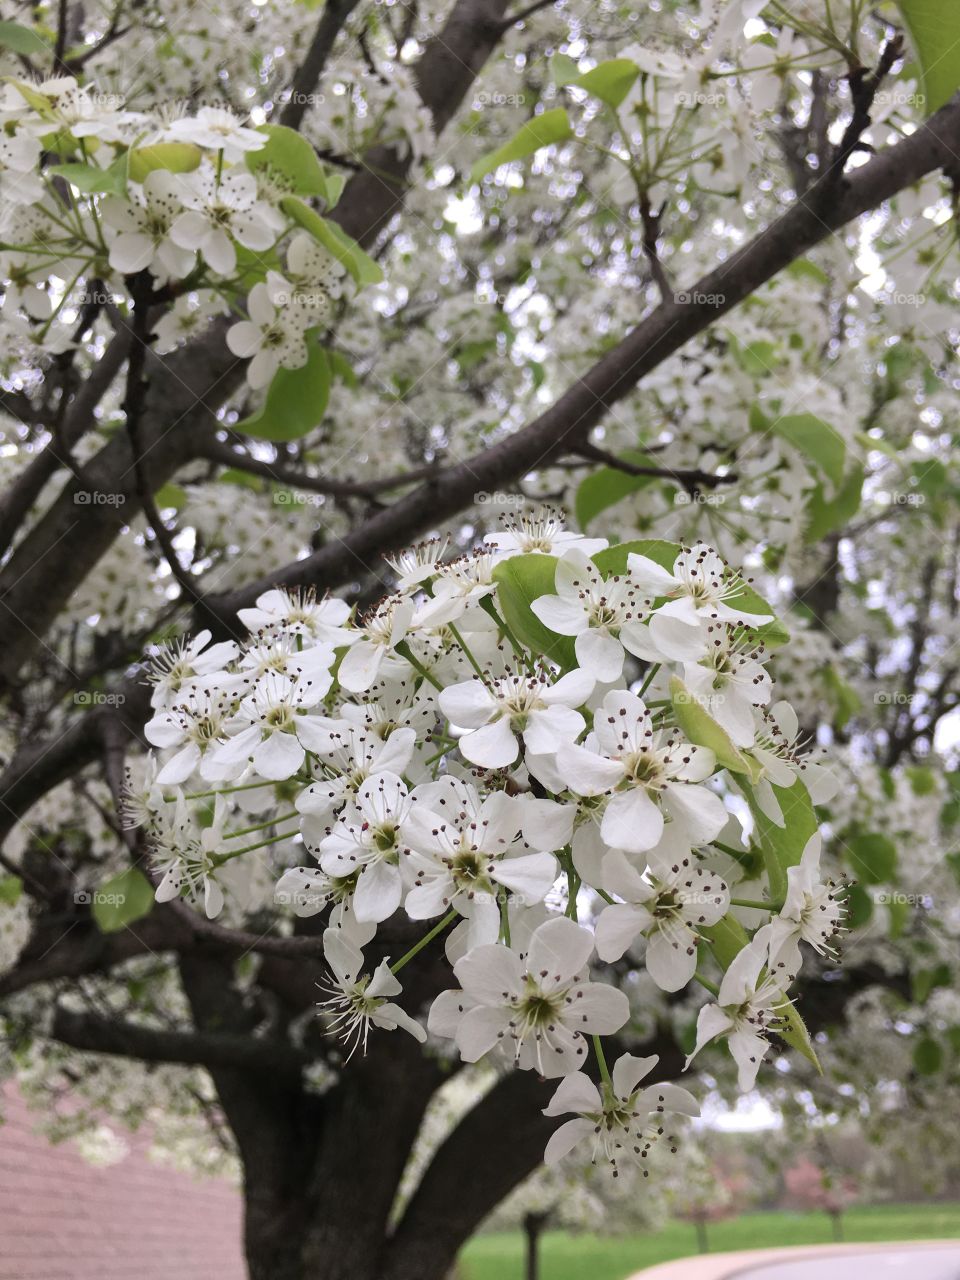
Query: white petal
x=487, y=973
x=632, y=821
x=493, y=746
x=617, y=928
x=467, y=705
x=480, y=1030
x=278, y=757
x=378, y=893
x=600, y=654
x=600, y=1009
x=563, y=617
x=558, y=951
x=575, y=1092
x=566, y=1138
x=629, y=1070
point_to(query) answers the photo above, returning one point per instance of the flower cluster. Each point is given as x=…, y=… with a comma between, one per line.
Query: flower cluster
x=203, y=202
x=531, y=749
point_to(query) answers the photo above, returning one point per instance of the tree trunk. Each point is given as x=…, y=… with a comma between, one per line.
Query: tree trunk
x=836, y=1224
x=533, y=1225
x=703, y=1243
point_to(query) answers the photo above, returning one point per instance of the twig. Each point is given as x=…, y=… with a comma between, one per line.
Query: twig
x=691, y=478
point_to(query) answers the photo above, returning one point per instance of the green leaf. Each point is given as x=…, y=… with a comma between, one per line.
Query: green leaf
x=11, y=888
x=859, y=905
x=772, y=634
x=923, y=781
x=175, y=157
x=170, y=495
x=924, y=981
x=540, y=131
x=783, y=846
x=296, y=400
x=22, y=39
x=90, y=179
x=934, y=29
x=614, y=559
x=816, y=440
x=873, y=857
x=123, y=899
x=521, y=580
x=335, y=240
x=242, y=478
x=342, y=369
x=804, y=269
x=824, y=515
x=700, y=728
x=610, y=81
x=793, y=1031
x=845, y=697
x=607, y=486
x=758, y=358
x=727, y=939
x=927, y=1056
x=291, y=155
x=563, y=69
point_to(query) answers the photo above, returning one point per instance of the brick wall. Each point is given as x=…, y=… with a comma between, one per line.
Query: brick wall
x=64, y=1219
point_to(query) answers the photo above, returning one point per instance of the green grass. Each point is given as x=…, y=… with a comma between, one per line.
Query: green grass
x=589, y=1257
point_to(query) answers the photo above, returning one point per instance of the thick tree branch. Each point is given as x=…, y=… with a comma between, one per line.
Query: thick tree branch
x=297, y=97
x=16, y=501
x=281, y=473
x=125, y=1039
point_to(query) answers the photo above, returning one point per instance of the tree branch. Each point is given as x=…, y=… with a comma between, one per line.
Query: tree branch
x=566, y=424
x=217, y=451
x=96, y=1034
x=308, y=74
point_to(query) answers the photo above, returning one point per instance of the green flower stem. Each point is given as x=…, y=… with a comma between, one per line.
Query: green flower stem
x=706, y=982
x=487, y=605
x=648, y=679
x=427, y=938
x=503, y=900
x=226, y=791
x=573, y=885
x=756, y=904
x=463, y=645
x=404, y=650
x=220, y=858
x=260, y=826
x=602, y=1062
